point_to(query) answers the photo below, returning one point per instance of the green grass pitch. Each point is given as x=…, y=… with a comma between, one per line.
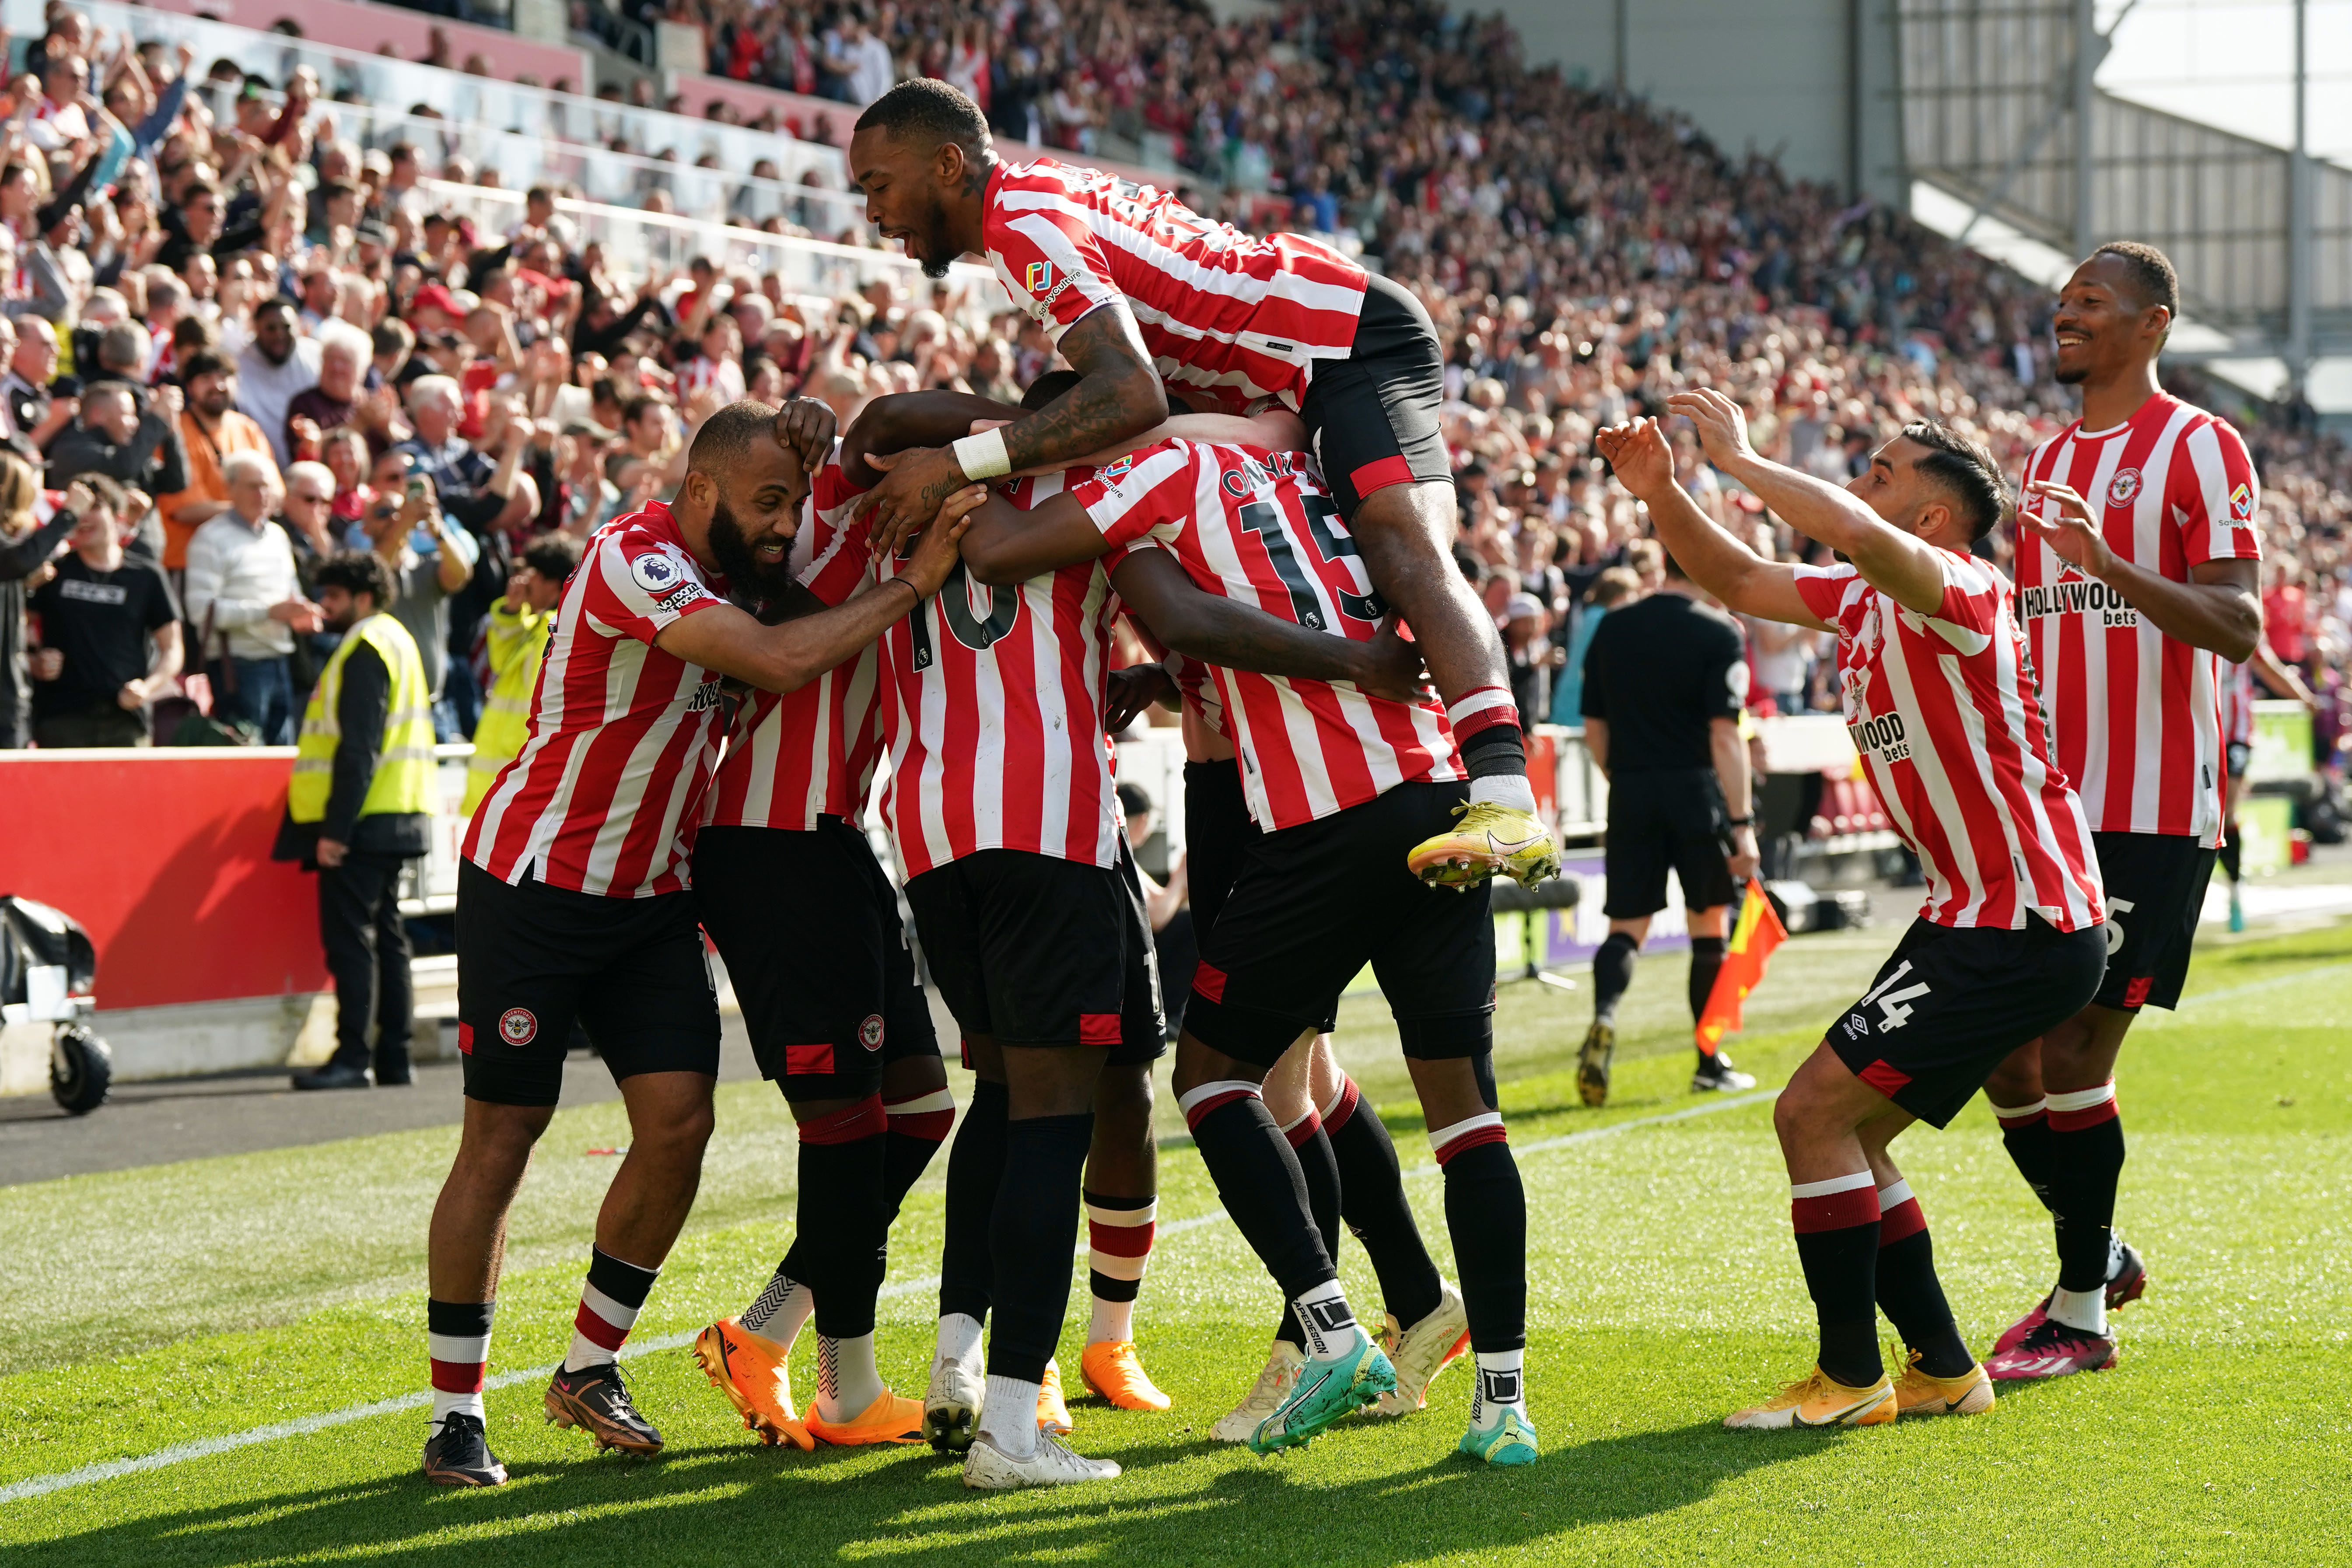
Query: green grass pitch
x=196, y=1302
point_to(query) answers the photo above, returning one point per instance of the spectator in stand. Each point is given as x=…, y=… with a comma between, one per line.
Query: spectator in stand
x=857, y=67
x=136, y=447
x=1615, y=587
x=110, y=631
x=359, y=809
x=344, y=451
x=429, y=560
x=340, y=397
x=30, y=542
x=1532, y=657
x=212, y=432
x=35, y=414
x=515, y=644
x=277, y=367
x=246, y=598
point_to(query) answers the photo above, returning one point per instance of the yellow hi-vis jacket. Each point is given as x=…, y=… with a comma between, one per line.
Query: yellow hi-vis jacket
x=404, y=782
x=517, y=640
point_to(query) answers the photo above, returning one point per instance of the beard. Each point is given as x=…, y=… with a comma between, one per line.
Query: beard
x=930, y=248
x=743, y=569
x=2074, y=378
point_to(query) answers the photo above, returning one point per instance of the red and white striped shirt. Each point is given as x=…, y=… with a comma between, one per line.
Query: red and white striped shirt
x=606, y=791
x=1943, y=709
x=1222, y=311
x=1259, y=527
x=2135, y=713
x=993, y=708
x=810, y=752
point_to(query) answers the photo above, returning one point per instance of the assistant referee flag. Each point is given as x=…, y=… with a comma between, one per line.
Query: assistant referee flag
x=1760, y=931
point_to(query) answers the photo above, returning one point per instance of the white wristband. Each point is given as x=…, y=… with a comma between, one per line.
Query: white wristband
x=983, y=456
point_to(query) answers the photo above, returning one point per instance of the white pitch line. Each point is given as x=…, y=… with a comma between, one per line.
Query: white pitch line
x=206, y=1448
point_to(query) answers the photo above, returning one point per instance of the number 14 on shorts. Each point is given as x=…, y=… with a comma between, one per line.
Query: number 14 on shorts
x=1893, y=1013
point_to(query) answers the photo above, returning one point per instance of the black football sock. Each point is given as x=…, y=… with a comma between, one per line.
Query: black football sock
x=1612, y=971
x=975, y=1170
x=2025, y=1133
x=1908, y=1292
x=1321, y=1171
x=2229, y=856
x=1837, y=1242
x=1259, y=1182
x=841, y=1218
x=2086, y=1161
x=1372, y=1203
x=916, y=1129
x=1486, y=1215
x=1032, y=1234
x=1706, y=957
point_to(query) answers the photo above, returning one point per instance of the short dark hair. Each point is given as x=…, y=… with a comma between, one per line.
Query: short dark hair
x=732, y=434
x=1047, y=387
x=1963, y=470
x=357, y=572
x=2151, y=272
x=276, y=304
x=636, y=407
x=108, y=489
x=926, y=107
x=553, y=556
x=1134, y=800
x=204, y=362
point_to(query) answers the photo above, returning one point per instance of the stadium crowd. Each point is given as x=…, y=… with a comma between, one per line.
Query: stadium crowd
x=243, y=318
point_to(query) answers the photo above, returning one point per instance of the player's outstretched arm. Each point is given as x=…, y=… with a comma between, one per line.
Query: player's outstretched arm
x=787, y=657
x=1006, y=544
x=905, y=421
x=1890, y=560
x=2217, y=608
x=1218, y=630
x=1118, y=395
x=1713, y=560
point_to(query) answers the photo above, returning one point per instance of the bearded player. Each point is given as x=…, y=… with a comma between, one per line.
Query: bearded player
x=1139, y=294
x=1940, y=701
x=2137, y=574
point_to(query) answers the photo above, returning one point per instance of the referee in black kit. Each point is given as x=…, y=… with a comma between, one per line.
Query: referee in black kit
x=1664, y=680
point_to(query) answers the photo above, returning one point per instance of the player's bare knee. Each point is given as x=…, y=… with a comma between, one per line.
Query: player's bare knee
x=912, y=1076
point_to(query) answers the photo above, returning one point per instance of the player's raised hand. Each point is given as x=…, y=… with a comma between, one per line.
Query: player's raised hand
x=1638, y=455
x=2073, y=534
x=936, y=556
x=1722, y=427
x=806, y=425
x=1393, y=667
x=916, y=484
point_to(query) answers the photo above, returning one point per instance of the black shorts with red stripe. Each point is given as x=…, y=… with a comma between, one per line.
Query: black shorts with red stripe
x=1951, y=1003
x=2155, y=886
x=534, y=960
x=1372, y=418
x=808, y=925
x=1033, y=951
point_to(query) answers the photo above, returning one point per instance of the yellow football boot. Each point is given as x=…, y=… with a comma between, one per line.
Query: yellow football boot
x=891, y=1418
x=755, y=1380
x=1489, y=838
x=1921, y=1393
x=1819, y=1400
x=1112, y=1369
x=1053, y=1410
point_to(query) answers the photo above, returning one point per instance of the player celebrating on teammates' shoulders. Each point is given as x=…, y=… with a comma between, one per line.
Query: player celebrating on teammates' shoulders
x=1139, y=293
x=2138, y=570
x=826, y=981
x=1334, y=774
x=572, y=901
x=1940, y=701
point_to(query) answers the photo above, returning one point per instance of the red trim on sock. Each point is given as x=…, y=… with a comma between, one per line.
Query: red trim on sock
x=1838, y=1211
x=1472, y=1140
x=1209, y=981
x=2009, y=1122
x=597, y=1331
x=1380, y=473
x=816, y=1057
x=1299, y=1132
x=1099, y=1028
x=1348, y=1099
x=458, y=1377
x=863, y=1120
x=931, y=1126
x=1887, y=1079
x=1120, y=1240
x=1905, y=1219
x=2088, y=1117
x=1200, y=1111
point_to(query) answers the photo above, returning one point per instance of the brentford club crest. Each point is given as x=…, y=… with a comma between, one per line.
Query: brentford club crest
x=869, y=1033
x=2123, y=487
x=518, y=1027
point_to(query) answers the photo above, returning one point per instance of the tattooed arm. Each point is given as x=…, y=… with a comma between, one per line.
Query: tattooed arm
x=1118, y=395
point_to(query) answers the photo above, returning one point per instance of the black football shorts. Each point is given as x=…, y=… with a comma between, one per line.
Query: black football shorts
x=1372, y=418
x=1313, y=904
x=1669, y=817
x=532, y=960
x=1027, y=947
x=1950, y=1004
x=808, y=923
x=2155, y=892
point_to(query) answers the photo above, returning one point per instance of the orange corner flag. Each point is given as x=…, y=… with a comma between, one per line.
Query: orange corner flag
x=1760, y=931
